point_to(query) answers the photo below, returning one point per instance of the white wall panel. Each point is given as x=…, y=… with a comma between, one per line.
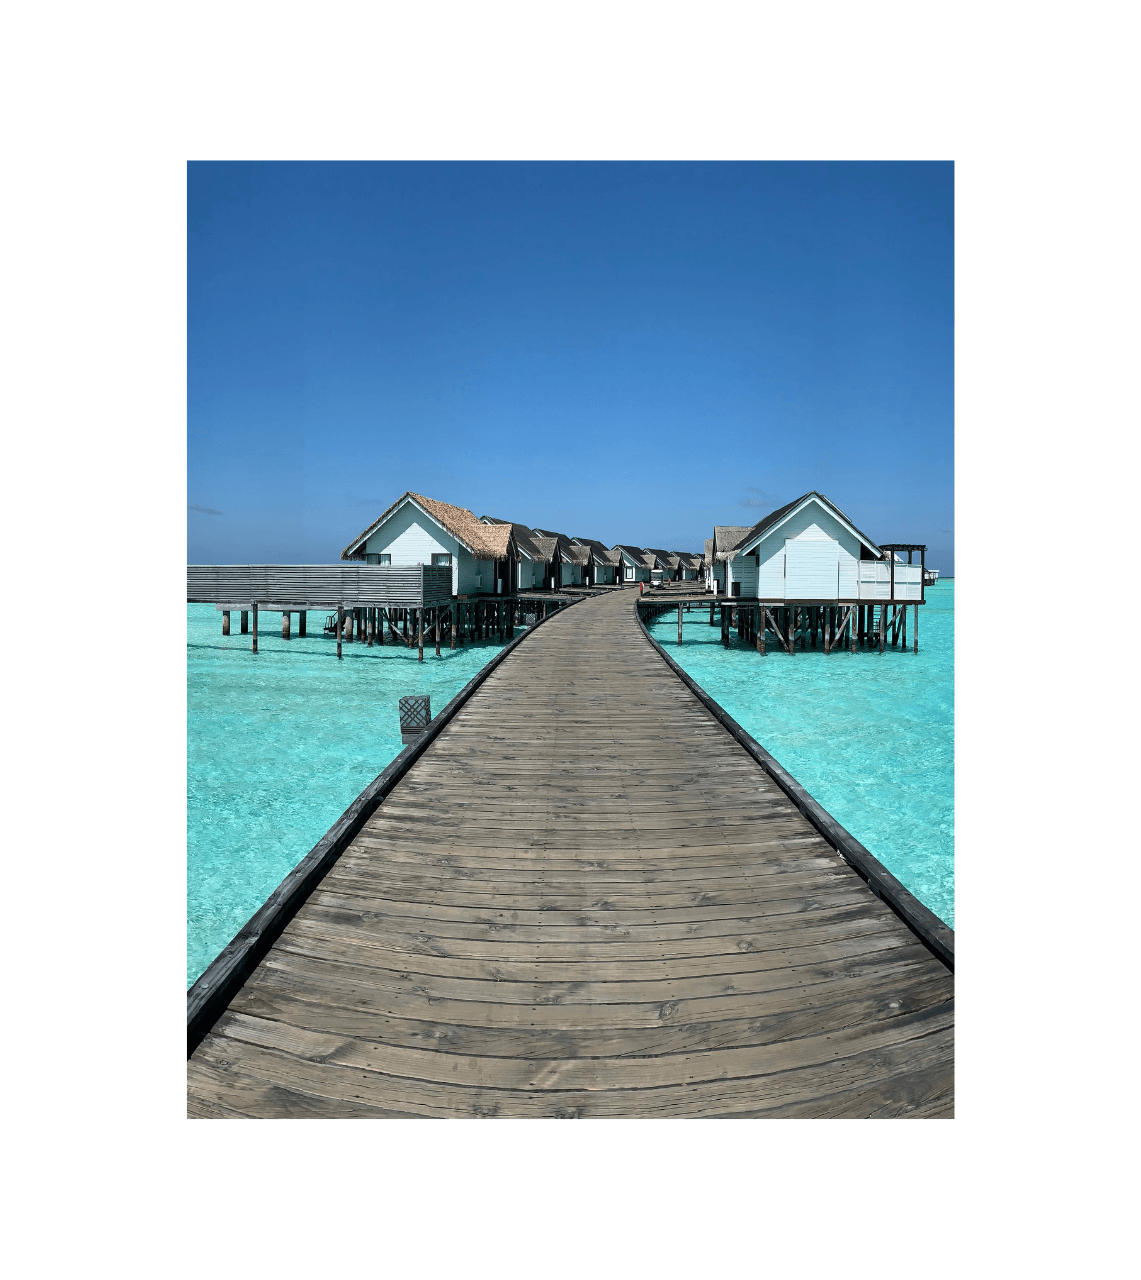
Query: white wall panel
x=770, y=579
x=811, y=566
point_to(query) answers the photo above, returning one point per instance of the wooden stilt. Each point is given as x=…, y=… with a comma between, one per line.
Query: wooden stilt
x=437, y=613
x=255, y=613
x=245, y=622
x=711, y=613
x=301, y=617
x=225, y=622
x=678, y=623
x=883, y=626
x=340, y=627
x=285, y=621
x=452, y=626
x=760, y=623
x=915, y=619
x=420, y=633
x=903, y=628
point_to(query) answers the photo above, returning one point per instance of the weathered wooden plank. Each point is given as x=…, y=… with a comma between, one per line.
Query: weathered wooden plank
x=583, y=903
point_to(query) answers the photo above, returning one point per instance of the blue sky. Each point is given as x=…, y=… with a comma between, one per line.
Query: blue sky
x=629, y=352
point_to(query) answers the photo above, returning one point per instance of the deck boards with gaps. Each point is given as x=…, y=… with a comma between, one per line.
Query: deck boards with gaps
x=586, y=899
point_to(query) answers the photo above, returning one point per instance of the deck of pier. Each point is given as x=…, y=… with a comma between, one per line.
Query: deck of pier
x=586, y=899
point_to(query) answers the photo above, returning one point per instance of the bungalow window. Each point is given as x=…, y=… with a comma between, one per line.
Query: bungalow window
x=375, y=557
x=444, y=559
x=629, y=571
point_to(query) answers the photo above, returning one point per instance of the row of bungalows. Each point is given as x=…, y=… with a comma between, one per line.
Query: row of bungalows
x=806, y=550
x=487, y=555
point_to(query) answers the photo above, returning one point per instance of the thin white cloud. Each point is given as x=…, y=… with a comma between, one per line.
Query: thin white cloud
x=203, y=511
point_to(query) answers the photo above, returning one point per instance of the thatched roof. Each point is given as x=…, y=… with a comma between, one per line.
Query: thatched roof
x=600, y=551
x=754, y=531
x=484, y=541
x=663, y=559
x=541, y=550
x=725, y=539
x=708, y=557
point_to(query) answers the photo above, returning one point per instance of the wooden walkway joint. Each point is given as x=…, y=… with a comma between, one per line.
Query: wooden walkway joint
x=586, y=898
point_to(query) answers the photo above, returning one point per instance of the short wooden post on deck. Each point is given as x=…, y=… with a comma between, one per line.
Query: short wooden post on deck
x=245, y=622
x=225, y=622
x=285, y=622
x=301, y=616
x=255, y=613
x=340, y=626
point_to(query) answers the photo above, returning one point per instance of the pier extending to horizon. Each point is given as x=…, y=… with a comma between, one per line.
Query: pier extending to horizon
x=586, y=893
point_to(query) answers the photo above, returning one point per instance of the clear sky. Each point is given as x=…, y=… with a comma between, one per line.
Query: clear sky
x=628, y=352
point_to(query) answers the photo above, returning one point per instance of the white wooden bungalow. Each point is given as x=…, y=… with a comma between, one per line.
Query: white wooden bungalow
x=534, y=556
x=665, y=562
x=717, y=550
x=635, y=566
x=810, y=550
x=574, y=560
x=688, y=566
x=420, y=530
x=604, y=563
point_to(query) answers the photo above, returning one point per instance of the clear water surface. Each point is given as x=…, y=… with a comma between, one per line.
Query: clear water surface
x=871, y=737
x=278, y=745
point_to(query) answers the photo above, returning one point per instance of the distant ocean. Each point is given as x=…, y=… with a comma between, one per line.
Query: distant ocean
x=871, y=737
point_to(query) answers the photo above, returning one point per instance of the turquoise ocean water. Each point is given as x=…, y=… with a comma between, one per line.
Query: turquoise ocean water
x=278, y=746
x=871, y=737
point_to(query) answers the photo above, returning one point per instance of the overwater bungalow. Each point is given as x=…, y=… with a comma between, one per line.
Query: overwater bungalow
x=689, y=566
x=635, y=565
x=574, y=559
x=536, y=565
x=665, y=563
x=717, y=549
x=604, y=564
x=417, y=530
x=810, y=550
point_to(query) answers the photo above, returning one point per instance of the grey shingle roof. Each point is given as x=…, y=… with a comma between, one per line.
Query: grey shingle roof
x=773, y=517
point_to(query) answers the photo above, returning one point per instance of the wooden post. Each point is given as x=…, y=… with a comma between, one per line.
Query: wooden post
x=761, y=629
x=903, y=628
x=420, y=633
x=711, y=613
x=225, y=622
x=285, y=620
x=679, y=624
x=891, y=561
x=852, y=628
x=436, y=611
x=883, y=626
x=245, y=622
x=452, y=621
x=340, y=627
x=302, y=615
x=916, y=620
x=255, y=613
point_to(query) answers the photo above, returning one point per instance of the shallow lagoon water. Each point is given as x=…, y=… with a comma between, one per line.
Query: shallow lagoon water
x=870, y=736
x=278, y=746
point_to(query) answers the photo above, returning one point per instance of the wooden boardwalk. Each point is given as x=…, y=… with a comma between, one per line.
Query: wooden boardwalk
x=586, y=899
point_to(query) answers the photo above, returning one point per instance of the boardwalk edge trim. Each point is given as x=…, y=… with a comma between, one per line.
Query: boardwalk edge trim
x=936, y=936
x=210, y=995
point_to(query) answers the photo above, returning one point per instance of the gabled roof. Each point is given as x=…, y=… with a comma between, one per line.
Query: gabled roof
x=636, y=554
x=781, y=514
x=725, y=539
x=663, y=559
x=599, y=550
x=484, y=541
x=527, y=544
x=687, y=561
